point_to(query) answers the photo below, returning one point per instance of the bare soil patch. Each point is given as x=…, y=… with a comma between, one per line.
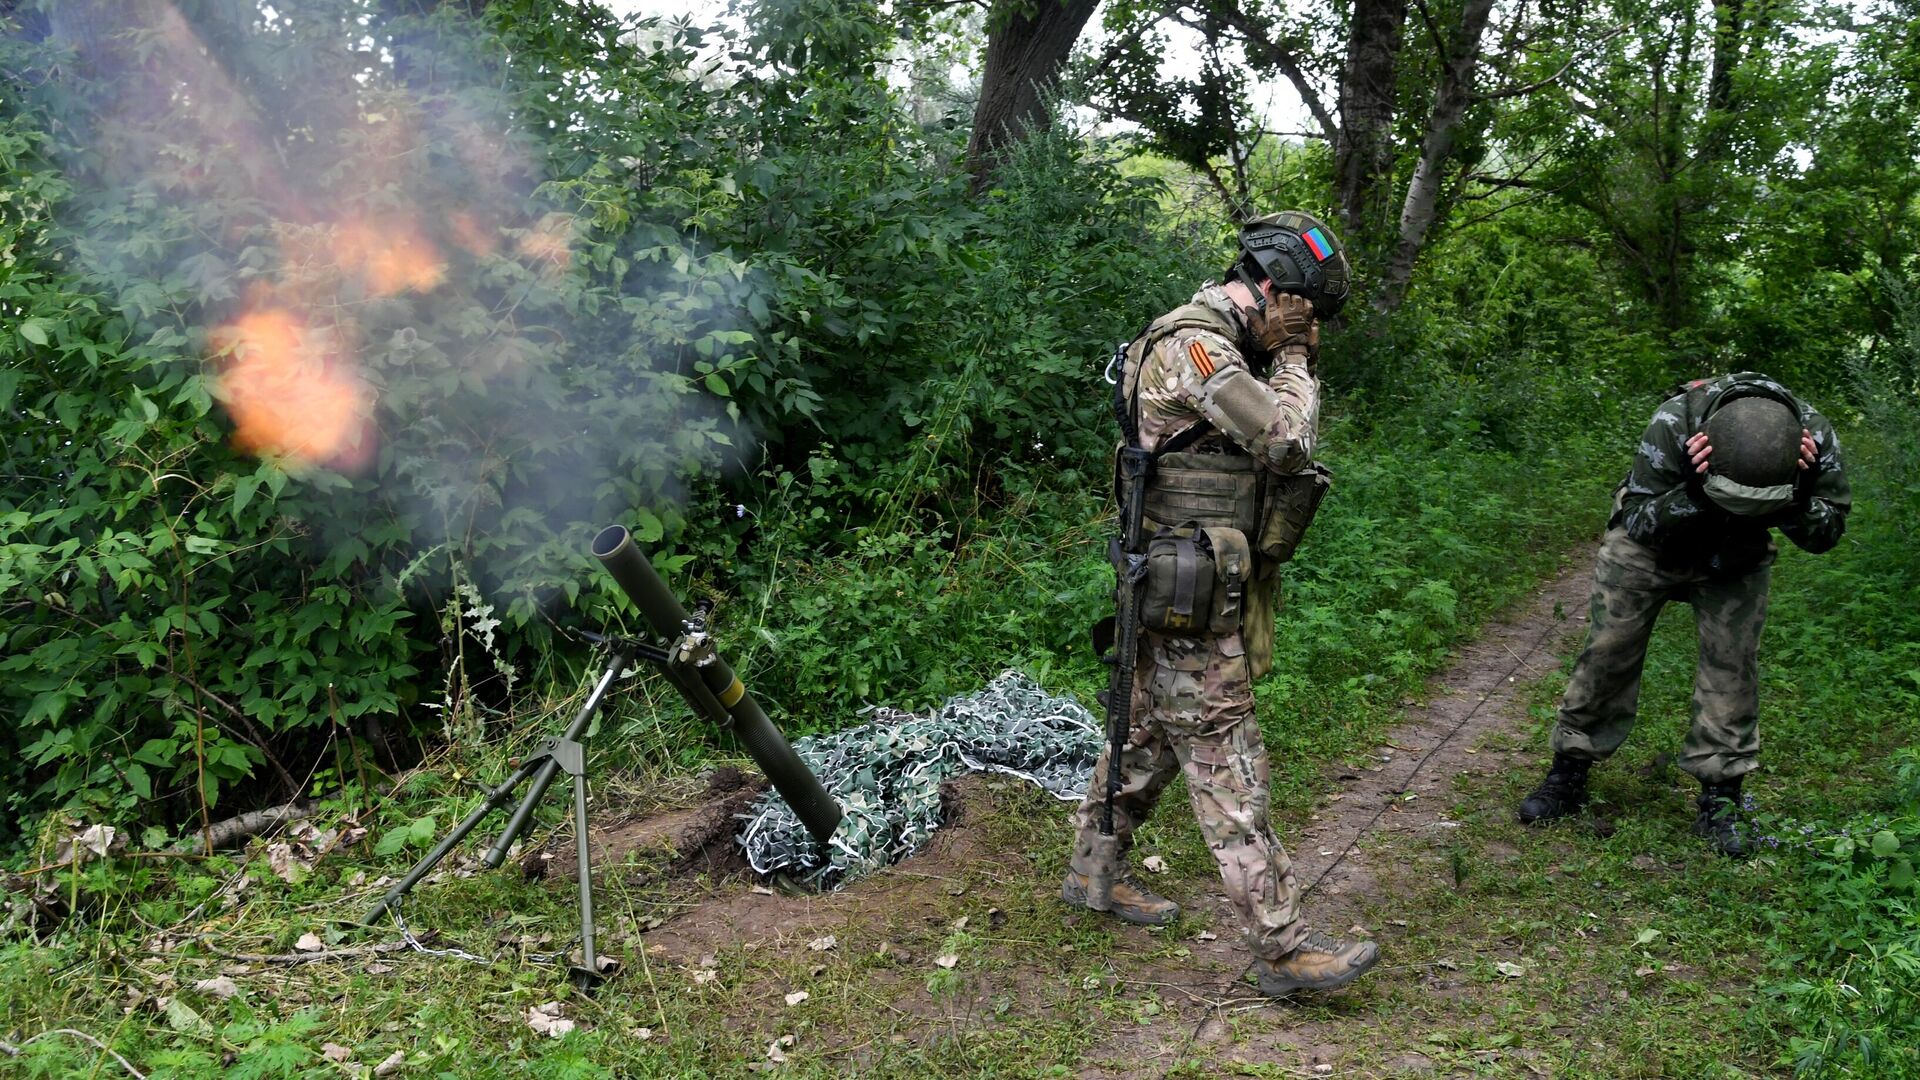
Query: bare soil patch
x=910, y=892
x=659, y=843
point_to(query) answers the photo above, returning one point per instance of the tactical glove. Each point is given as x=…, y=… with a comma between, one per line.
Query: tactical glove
x=1286, y=322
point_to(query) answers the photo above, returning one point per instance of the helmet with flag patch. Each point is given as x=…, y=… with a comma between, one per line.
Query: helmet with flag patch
x=1298, y=254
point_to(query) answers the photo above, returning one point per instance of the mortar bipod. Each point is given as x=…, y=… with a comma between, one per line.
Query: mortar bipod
x=565, y=753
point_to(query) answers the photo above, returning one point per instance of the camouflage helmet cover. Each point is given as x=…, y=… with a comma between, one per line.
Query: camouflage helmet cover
x=1299, y=255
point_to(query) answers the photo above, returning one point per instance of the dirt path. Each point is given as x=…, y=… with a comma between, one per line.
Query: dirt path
x=1380, y=823
x=1482, y=692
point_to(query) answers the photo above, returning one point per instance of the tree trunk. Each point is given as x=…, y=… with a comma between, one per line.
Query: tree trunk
x=1450, y=100
x=1363, y=156
x=1025, y=52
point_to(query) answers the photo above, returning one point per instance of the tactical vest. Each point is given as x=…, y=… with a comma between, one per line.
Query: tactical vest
x=1215, y=490
x=1223, y=489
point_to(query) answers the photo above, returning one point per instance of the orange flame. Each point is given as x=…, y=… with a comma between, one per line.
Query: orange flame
x=390, y=256
x=469, y=233
x=549, y=243
x=289, y=395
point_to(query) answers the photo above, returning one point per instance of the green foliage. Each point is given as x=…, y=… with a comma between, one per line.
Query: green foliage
x=611, y=318
x=1846, y=950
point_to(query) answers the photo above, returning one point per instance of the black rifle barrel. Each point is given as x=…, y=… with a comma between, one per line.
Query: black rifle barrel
x=615, y=549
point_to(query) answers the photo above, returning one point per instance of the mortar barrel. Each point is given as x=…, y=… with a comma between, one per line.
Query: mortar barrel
x=631, y=570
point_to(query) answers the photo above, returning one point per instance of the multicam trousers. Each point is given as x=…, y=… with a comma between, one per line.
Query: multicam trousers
x=1193, y=712
x=1629, y=590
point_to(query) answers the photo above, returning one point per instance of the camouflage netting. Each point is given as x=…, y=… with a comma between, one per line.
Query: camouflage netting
x=886, y=775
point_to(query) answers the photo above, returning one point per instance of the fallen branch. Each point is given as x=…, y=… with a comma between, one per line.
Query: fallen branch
x=248, y=825
x=14, y=1051
x=311, y=957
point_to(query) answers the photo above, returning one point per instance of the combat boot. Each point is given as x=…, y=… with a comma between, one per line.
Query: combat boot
x=1719, y=818
x=1563, y=792
x=1319, y=962
x=1130, y=900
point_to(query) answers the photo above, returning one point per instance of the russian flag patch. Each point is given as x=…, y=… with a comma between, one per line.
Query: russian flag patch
x=1317, y=243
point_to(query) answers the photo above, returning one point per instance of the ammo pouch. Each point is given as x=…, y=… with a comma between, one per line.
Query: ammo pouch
x=1287, y=507
x=1197, y=580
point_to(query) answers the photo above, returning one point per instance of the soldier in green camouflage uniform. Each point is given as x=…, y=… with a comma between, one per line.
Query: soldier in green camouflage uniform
x=1685, y=528
x=1193, y=709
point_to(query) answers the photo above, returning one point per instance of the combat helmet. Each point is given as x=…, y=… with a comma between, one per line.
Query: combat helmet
x=1756, y=454
x=1299, y=255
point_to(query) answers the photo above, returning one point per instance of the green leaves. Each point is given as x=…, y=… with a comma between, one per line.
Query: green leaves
x=36, y=330
x=419, y=832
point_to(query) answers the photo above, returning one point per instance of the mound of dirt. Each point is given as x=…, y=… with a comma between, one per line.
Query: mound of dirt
x=663, y=842
x=910, y=891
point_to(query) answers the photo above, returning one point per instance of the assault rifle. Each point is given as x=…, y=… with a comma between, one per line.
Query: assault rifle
x=1127, y=551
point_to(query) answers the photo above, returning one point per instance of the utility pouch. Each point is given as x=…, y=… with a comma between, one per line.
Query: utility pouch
x=1287, y=508
x=1179, y=585
x=1232, y=575
x=1197, y=580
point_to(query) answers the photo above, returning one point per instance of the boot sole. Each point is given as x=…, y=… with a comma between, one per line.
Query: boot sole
x=1078, y=898
x=1274, y=986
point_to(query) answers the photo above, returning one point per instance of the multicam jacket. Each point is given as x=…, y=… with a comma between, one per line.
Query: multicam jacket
x=1661, y=503
x=1195, y=376
x=1196, y=379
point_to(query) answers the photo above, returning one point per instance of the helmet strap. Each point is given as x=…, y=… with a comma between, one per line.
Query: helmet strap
x=1253, y=286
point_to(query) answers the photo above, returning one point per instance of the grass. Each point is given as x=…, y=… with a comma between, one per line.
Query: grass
x=1639, y=953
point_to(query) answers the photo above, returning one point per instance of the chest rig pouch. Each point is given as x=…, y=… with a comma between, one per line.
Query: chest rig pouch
x=1209, y=490
x=1287, y=506
x=1197, y=580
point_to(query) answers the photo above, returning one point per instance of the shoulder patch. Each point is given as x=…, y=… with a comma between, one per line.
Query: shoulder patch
x=1202, y=360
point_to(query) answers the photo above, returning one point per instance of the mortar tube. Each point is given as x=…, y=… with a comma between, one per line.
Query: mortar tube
x=628, y=565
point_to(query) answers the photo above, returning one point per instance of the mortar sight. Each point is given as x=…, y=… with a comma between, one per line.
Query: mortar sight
x=709, y=684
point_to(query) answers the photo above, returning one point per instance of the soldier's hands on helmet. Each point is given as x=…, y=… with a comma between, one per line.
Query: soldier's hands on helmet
x=1699, y=450
x=1286, y=322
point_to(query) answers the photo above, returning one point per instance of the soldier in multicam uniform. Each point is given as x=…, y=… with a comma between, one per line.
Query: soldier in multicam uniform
x=1201, y=404
x=1719, y=465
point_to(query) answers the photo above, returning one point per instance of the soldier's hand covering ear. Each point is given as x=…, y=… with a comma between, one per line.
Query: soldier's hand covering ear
x=1287, y=321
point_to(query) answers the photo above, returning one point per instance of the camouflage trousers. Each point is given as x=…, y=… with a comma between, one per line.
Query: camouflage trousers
x=1629, y=590
x=1193, y=713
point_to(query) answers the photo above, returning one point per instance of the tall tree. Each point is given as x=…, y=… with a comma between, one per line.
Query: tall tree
x=1408, y=81
x=1028, y=42
x=1691, y=115
x=1363, y=152
x=1452, y=94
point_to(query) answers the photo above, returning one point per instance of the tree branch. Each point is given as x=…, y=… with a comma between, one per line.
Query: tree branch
x=249, y=824
x=1257, y=37
x=1433, y=30
x=1520, y=91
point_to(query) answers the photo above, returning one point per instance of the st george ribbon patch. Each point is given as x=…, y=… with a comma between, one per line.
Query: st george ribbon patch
x=1202, y=363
